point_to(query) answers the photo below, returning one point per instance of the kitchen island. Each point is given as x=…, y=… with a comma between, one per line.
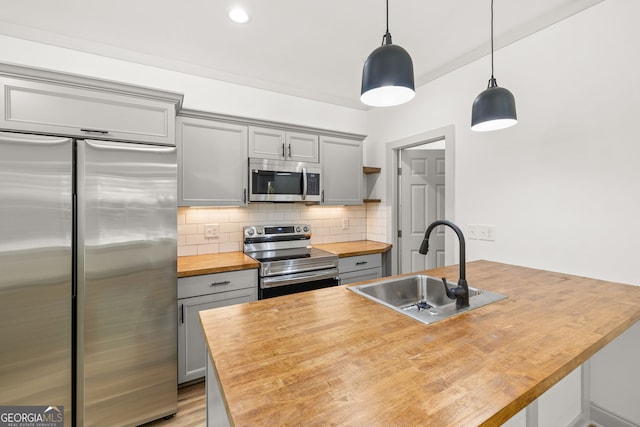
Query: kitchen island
x=331, y=357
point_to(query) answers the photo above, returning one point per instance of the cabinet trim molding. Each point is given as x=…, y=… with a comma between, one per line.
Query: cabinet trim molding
x=268, y=124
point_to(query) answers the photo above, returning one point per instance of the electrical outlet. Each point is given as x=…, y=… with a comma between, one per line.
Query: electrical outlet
x=472, y=231
x=483, y=232
x=345, y=223
x=211, y=230
x=487, y=232
x=491, y=233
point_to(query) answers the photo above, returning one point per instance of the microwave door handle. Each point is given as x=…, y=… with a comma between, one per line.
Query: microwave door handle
x=304, y=183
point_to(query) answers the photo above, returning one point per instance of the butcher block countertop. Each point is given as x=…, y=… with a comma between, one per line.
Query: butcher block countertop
x=332, y=357
x=214, y=263
x=355, y=248
x=196, y=265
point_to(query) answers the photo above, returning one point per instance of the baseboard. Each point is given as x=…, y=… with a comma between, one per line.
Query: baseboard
x=580, y=421
x=602, y=417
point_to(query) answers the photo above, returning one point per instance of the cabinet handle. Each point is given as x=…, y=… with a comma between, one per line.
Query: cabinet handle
x=98, y=131
x=361, y=262
x=181, y=313
x=226, y=282
x=244, y=195
x=283, y=151
x=322, y=197
x=289, y=150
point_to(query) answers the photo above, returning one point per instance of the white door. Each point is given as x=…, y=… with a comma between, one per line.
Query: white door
x=422, y=196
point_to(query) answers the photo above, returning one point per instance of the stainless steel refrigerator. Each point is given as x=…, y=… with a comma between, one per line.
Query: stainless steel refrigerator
x=88, y=278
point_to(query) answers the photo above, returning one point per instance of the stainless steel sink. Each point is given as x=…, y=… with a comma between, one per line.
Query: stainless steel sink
x=422, y=297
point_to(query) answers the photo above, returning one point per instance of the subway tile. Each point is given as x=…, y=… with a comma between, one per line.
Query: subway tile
x=208, y=249
x=187, y=250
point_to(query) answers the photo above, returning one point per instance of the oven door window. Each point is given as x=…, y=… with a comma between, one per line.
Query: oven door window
x=273, y=182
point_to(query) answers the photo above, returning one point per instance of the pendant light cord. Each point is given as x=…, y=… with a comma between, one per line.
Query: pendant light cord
x=491, y=39
x=386, y=38
x=388, y=15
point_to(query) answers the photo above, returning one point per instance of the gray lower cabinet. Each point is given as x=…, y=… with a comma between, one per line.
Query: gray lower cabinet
x=212, y=162
x=204, y=292
x=342, y=181
x=86, y=107
x=360, y=268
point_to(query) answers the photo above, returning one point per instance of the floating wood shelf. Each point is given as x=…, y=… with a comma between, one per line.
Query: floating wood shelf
x=369, y=170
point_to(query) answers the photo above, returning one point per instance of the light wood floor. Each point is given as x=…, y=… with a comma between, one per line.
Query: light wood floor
x=191, y=409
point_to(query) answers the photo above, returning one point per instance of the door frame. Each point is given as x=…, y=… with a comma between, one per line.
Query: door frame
x=392, y=150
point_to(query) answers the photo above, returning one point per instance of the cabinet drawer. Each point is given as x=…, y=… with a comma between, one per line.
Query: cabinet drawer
x=360, y=275
x=359, y=262
x=71, y=111
x=216, y=283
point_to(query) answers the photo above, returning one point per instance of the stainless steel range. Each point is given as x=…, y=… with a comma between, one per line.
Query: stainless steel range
x=288, y=263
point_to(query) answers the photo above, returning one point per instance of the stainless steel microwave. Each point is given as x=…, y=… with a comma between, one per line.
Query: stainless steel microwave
x=283, y=181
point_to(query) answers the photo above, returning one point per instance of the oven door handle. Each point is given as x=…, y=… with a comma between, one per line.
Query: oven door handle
x=304, y=183
x=292, y=279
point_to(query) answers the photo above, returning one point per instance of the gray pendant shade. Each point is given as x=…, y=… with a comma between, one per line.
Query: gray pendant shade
x=493, y=109
x=387, y=77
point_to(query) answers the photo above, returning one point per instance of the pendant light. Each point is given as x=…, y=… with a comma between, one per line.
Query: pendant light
x=495, y=107
x=387, y=76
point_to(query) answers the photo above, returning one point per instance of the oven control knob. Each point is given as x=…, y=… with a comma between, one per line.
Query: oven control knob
x=297, y=229
x=306, y=228
x=259, y=230
x=250, y=232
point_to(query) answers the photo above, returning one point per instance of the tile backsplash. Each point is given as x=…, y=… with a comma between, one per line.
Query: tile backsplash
x=329, y=224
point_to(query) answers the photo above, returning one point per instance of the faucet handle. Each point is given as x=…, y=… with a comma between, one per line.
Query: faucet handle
x=451, y=293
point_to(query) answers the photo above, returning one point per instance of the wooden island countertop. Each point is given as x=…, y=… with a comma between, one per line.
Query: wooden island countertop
x=332, y=357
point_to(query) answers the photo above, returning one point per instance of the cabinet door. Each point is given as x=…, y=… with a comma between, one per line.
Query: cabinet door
x=59, y=109
x=191, y=344
x=212, y=163
x=301, y=147
x=265, y=143
x=341, y=171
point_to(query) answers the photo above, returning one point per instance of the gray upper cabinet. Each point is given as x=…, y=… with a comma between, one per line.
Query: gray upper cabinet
x=341, y=171
x=212, y=162
x=86, y=108
x=278, y=144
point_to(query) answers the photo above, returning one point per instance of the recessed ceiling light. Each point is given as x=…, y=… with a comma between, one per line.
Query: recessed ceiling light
x=238, y=15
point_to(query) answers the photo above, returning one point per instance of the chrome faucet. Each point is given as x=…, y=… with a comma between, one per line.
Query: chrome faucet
x=461, y=292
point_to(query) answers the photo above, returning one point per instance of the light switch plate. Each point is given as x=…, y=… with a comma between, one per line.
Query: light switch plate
x=472, y=231
x=345, y=223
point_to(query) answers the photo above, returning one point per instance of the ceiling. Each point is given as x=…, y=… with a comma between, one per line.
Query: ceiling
x=308, y=48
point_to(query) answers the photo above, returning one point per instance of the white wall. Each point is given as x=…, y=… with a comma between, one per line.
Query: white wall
x=562, y=185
